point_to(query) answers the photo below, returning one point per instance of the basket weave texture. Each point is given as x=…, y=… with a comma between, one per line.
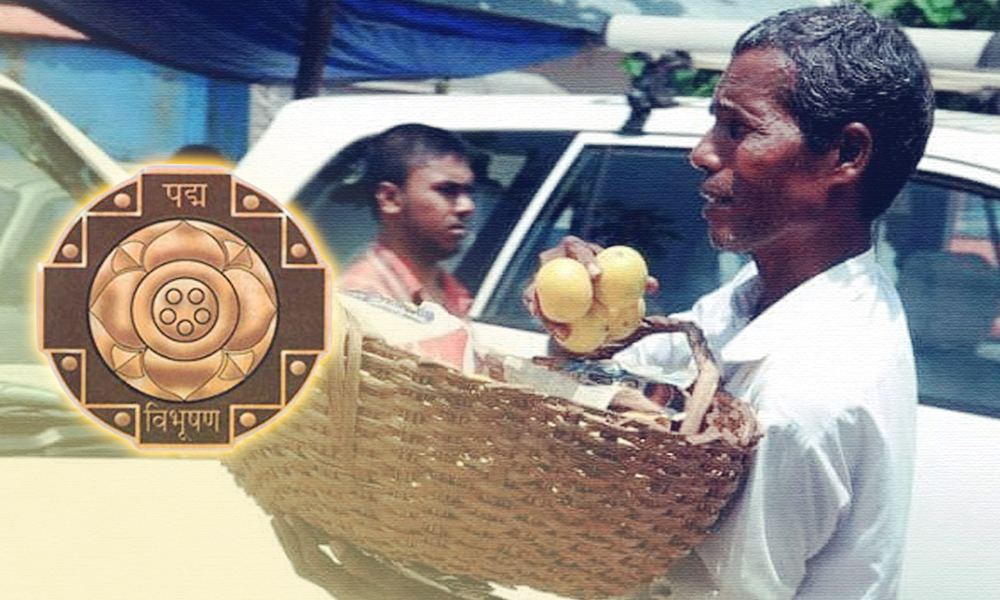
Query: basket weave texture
x=422, y=465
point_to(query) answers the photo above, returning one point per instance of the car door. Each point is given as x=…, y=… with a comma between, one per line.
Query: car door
x=940, y=242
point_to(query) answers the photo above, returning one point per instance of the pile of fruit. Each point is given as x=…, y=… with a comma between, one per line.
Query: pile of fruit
x=593, y=312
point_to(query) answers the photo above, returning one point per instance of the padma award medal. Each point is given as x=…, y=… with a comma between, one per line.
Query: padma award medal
x=184, y=308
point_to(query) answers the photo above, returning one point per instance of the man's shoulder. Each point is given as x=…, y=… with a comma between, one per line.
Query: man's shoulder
x=359, y=272
x=374, y=272
x=839, y=347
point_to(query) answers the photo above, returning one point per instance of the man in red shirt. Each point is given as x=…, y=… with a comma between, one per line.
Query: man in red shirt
x=420, y=180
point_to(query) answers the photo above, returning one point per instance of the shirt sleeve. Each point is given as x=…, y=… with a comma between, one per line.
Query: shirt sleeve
x=664, y=352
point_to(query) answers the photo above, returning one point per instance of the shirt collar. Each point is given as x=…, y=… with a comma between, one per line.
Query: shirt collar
x=802, y=309
x=457, y=299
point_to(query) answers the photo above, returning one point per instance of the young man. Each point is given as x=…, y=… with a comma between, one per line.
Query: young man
x=420, y=180
x=821, y=116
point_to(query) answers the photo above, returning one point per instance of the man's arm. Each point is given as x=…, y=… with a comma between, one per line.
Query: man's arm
x=789, y=504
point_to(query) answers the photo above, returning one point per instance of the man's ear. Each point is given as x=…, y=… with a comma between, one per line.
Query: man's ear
x=388, y=196
x=854, y=152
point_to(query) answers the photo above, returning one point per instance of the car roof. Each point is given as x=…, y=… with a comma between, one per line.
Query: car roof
x=306, y=134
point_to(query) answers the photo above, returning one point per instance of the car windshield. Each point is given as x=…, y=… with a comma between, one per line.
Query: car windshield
x=29, y=139
x=41, y=179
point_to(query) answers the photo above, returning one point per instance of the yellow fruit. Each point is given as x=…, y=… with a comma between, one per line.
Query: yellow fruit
x=564, y=290
x=587, y=333
x=623, y=321
x=623, y=277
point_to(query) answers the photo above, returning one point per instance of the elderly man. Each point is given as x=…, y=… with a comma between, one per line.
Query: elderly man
x=820, y=118
x=420, y=179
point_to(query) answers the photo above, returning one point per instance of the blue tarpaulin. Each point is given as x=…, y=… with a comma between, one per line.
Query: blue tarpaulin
x=261, y=41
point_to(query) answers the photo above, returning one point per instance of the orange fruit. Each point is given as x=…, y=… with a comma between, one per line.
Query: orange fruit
x=564, y=290
x=623, y=321
x=587, y=333
x=623, y=277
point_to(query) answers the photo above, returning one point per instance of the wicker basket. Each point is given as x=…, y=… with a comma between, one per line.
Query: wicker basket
x=422, y=465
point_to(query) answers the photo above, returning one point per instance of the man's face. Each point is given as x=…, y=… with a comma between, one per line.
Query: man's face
x=763, y=186
x=436, y=205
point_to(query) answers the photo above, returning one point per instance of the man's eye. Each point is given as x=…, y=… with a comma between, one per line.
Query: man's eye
x=451, y=191
x=733, y=129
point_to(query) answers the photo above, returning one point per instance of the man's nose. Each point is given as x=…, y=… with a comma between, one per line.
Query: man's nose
x=705, y=156
x=464, y=204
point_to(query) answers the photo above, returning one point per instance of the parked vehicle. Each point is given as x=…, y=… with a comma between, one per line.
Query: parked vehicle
x=549, y=166
x=47, y=168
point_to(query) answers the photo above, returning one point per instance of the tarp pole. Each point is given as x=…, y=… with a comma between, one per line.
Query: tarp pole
x=318, y=36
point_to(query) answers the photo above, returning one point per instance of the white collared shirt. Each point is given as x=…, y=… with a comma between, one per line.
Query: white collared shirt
x=829, y=369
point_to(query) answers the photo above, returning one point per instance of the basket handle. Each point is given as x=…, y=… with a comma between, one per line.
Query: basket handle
x=709, y=374
x=343, y=382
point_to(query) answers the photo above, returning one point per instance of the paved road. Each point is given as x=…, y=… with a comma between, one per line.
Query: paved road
x=128, y=528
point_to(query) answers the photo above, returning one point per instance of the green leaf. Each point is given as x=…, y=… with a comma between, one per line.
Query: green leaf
x=633, y=64
x=940, y=12
x=883, y=8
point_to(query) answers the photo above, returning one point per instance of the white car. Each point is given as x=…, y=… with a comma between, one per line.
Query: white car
x=549, y=166
x=47, y=167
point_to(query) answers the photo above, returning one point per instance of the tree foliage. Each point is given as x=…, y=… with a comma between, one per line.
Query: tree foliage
x=947, y=14
x=944, y=14
x=950, y=14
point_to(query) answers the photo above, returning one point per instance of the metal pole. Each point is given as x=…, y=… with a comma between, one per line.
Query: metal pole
x=312, y=60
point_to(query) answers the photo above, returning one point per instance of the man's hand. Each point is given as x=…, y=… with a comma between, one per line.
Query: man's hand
x=577, y=249
x=354, y=575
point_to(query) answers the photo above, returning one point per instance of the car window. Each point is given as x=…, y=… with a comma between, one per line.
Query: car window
x=940, y=242
x=509, y=167
x=642, y=197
